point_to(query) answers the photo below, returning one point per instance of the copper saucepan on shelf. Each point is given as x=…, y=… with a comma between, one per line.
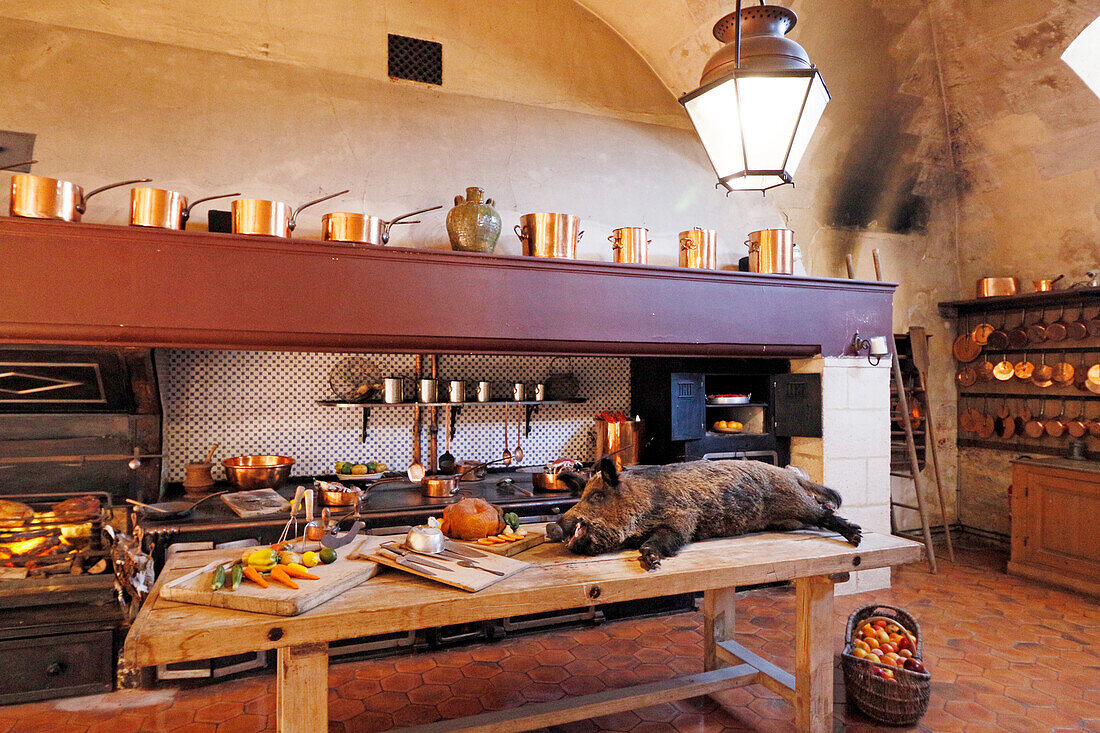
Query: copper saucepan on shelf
x=991, y=287
x=155, y=207
x=38, y=197
x=269, y=218
x=344, y=226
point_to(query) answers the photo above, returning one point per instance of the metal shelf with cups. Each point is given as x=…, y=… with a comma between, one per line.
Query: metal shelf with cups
x=530, y=408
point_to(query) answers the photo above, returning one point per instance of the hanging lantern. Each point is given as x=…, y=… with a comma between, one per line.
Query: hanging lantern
x=759, y=100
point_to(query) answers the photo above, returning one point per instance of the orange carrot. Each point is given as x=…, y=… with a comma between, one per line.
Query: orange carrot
x=279, y=573
x=254, y=575
x=295, y=570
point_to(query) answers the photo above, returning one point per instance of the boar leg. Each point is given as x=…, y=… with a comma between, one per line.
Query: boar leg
x=836, y=523
x=662, y=542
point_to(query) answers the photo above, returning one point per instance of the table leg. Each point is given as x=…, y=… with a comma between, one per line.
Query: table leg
x=814, y=655
x=718, y=623
x=301, y=693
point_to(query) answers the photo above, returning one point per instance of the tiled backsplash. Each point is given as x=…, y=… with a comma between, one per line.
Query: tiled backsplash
x=266, y=402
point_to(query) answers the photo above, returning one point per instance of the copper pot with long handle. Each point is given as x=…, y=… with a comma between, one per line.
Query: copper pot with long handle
x=269, y=218
x=38, y=197
x=345, y=226
x=161, y=209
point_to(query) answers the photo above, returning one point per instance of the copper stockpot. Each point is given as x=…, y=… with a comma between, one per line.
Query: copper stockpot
x=549, y=235
x=621, y=440
x=155, y=207
x=771, y=251
x=989, y=287
x=269, y=218
x=344, y=226
x=699, y=249
x=630, y=244
x=38, y=197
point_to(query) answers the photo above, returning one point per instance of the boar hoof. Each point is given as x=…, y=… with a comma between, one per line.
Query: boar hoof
x=651, y=560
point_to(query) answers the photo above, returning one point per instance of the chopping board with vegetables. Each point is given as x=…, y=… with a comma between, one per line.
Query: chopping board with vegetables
x=459, y=565
x=523, y=538
x=278, y=597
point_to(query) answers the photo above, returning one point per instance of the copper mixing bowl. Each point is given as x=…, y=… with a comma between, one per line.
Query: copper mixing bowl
x=258, y=472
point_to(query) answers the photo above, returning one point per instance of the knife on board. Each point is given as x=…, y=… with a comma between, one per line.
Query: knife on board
x=409, y=557
x=464, y=551
x=402, y=561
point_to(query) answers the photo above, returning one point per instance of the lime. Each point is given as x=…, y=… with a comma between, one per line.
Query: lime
x=327, y=555
x=372, y=467
x=343, y=468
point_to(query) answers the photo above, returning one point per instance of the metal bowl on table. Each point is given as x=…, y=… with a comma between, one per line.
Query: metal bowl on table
x=258, y=472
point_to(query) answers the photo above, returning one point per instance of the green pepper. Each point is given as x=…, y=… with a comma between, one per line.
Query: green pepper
x=512, y=520
x=219, y=578
x=235, y=576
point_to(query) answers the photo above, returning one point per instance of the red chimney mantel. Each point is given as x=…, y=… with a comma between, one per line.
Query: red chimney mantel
x=114, y=285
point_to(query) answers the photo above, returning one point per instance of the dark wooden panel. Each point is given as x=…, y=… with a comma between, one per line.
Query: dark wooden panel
x=97, y=284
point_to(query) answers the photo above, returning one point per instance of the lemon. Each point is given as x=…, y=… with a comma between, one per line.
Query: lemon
x=311, y=559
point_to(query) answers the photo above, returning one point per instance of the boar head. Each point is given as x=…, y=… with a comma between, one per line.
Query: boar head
x=607, y=513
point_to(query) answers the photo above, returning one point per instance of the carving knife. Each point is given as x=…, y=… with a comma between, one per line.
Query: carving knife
x=461, y=560
x=406, y=562
x=409, y=557
x=464, y=551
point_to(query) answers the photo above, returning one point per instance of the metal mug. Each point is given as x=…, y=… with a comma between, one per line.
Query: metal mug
x=771, y=251
x=519, y=391
x=456, y=390
x=484, y=391
x=393, y=390
x=540, y=392
x=630, y=244
x=699, y=249
x=429, y=390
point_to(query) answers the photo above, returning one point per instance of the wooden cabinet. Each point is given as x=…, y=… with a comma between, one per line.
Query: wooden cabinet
x=1055, y=516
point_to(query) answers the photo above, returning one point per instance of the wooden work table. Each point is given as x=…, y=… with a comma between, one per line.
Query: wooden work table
x=166, y=632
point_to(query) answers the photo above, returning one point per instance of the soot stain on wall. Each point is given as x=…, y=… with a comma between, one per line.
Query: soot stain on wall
x=876, y=184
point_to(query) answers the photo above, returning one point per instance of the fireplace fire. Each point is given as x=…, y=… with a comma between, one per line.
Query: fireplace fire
x=63, y=534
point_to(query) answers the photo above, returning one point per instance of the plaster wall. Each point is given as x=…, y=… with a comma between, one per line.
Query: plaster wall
x=549, y=105
x=1025, y=133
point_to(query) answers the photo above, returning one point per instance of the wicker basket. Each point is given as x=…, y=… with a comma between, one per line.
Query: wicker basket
x=900, y=701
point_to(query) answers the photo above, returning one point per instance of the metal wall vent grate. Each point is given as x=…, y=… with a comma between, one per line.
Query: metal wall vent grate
x=415, y=59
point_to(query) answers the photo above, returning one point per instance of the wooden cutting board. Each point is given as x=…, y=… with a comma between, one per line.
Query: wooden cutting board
x=468, y=579
x=277, y=599
x=536, y=535
x=256, y=503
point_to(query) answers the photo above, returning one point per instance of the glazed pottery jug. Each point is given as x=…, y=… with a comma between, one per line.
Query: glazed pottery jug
x=473, y=226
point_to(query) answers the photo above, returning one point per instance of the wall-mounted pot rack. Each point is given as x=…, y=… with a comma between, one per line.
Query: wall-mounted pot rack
x=530, y=407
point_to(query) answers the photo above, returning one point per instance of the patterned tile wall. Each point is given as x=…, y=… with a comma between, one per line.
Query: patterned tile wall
x=265, y=402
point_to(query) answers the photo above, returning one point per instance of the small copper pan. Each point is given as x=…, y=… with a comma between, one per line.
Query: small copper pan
x=1037, y=332
x=1017, y=337
x=1063, y=372
x=1077, y=427
x=966, y=376
x=986, y=424
x=1003, y=371
x=160, y=209
x=985, y=370
x=1023, y=415
x=1093, y=324
x=1023, y=369
x=1054, y=427
x=1041, y=377
x=998, y=338
x=269, y=218
x=1034, y=427
x=1078, y=329
x=980, y=333
x=1058, y=330
x=38, y=197
x=1008, y=423
x=1094, y=426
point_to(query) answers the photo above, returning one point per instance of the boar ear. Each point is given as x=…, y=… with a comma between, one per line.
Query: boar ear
x=574, y=481
x=608, y=471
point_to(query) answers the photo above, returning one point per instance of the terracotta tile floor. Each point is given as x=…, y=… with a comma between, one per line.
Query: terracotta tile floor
x=1005, y=654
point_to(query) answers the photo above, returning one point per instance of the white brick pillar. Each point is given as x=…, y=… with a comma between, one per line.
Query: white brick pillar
x=853, y=454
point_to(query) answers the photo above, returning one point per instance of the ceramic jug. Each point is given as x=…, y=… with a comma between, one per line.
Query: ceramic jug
x=472, y=225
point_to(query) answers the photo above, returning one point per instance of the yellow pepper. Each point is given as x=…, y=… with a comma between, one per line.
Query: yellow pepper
x=263, y=560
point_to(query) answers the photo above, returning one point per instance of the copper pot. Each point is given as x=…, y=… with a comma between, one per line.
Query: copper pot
x=549, y=235
x=621, y=440
x=990, y=287
x=155, y=207
x=439, y=486
x=269, y=218
x=258, y=472
x=699, y=249
x=771, y=251
x=344, y=226
x=38, y=197
x=630, y=244
x=1043, y=286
